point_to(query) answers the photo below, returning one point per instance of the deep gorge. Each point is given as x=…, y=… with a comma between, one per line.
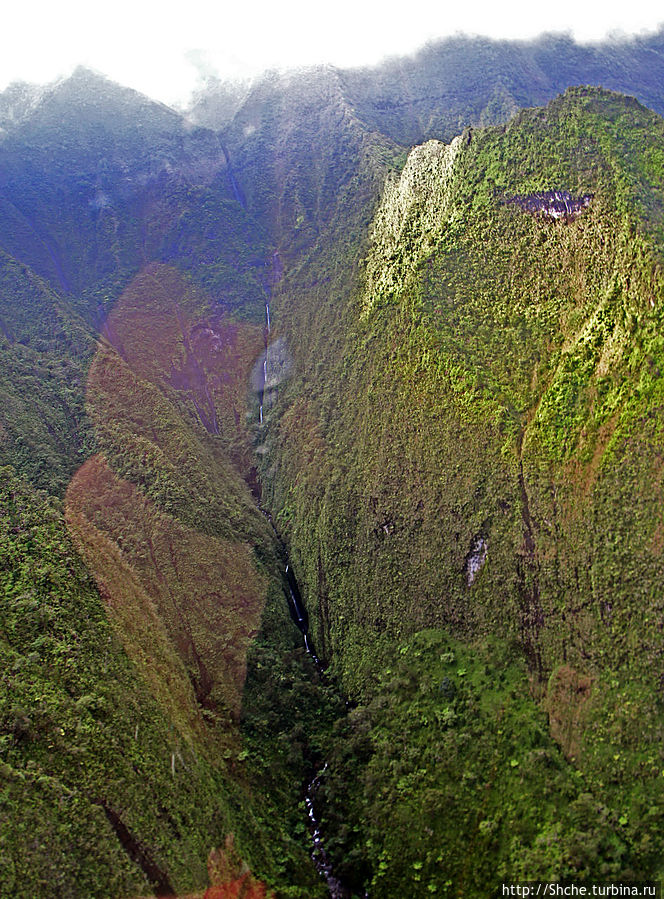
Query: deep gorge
x=331, y=482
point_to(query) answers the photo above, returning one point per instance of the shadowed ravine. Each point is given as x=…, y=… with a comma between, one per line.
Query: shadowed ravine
x=300, y=617
x=319, y=854
x=442, y=666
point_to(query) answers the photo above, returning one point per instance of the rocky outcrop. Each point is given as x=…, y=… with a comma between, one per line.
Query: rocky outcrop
x=411, y=216
x=553, y=204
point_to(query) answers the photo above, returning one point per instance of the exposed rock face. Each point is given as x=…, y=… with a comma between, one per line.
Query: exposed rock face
x=554, y=204
x=476, y=559
x=411, y=216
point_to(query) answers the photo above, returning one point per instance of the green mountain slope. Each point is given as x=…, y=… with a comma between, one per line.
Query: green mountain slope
x=459, y=444
x=45, y=348
x=87, y=754
x=491, y=471
x=193, y=623
x=134, y=689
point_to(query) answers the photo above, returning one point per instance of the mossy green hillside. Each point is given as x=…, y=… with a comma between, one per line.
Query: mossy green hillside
x=81, y=734
x=169, y=529
x=46, y=349
x=456, y=784
x=88, y=742
x=501, y=386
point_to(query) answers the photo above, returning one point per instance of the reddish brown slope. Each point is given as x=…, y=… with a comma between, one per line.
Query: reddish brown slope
x=167, y=393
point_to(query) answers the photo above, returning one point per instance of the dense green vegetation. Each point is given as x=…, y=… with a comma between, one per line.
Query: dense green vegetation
x=80, y=734
x=502, y=384
x=84, y=743
x=456, y=783
x=463, y=456
x=166, y=637
x=45, y=350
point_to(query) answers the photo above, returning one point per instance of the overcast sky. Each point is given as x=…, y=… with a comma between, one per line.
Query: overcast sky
x=149, y=45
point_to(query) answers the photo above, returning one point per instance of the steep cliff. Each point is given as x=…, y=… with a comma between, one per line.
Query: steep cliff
x=457, y=354
x=491, y=472
x=139, y=732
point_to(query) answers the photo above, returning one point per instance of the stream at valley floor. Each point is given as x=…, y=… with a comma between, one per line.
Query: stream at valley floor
x=319, y=854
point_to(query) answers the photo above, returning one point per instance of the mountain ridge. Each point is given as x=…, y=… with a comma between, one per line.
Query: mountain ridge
x=451, y=432
x=463, y=464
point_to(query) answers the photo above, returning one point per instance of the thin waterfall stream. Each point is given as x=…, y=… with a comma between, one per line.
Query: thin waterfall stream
x=300, y=615
x=319, y=855
x=275, y=276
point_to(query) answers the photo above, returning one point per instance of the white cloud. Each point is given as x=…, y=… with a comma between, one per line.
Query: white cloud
x=144, y=43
